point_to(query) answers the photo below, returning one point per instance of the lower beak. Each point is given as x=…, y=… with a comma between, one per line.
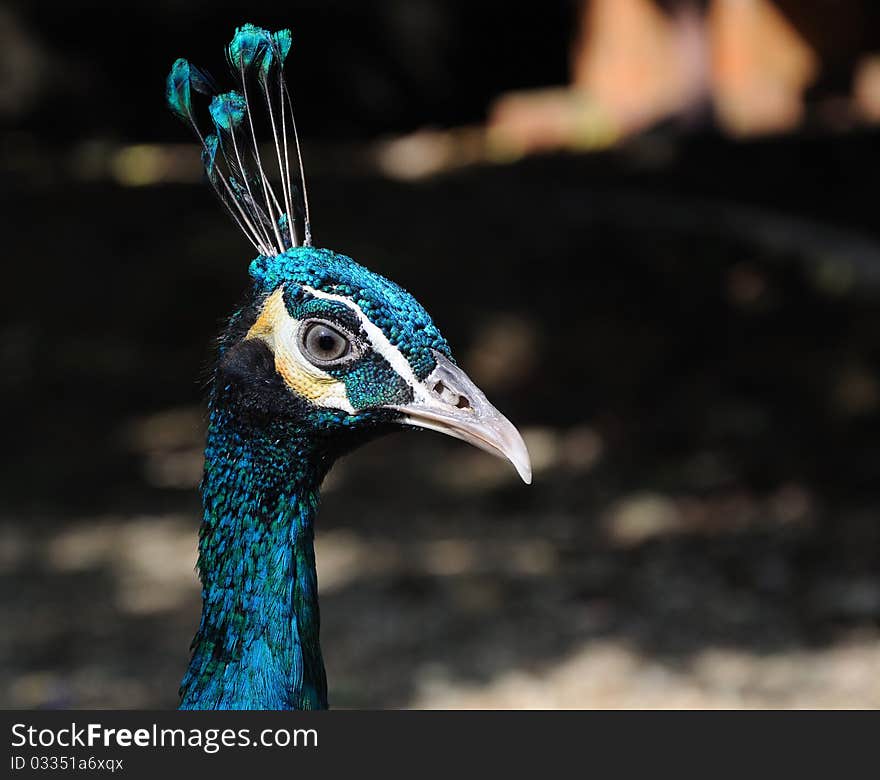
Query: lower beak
x=449, y=402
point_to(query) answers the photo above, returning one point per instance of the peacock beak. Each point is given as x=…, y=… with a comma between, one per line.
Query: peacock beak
x=449, y=402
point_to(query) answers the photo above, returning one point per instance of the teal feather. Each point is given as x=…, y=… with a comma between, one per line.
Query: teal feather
x=276, y=52
x=253, y=199
x=209, y=154
x=247, y=46
x=228, y=111
x=177, y=89
x=283, y=39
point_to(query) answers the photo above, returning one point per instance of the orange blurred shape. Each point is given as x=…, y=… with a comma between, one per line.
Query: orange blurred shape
x=638, y=62
x=761, y=67
x=634, y=64
x=530, y=121
x=866, y=88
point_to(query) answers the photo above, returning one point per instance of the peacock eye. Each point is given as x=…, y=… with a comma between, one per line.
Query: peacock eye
x=323, y=344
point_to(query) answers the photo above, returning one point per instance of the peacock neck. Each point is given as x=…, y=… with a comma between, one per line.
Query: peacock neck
x=257, y=645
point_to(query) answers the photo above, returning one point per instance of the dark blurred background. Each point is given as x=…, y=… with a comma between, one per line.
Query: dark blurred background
x=649, y=230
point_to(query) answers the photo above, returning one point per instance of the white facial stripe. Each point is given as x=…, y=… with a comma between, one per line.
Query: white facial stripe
x=381, y=344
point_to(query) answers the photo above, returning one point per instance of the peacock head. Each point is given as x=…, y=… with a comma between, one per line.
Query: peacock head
x=344, y=354
x=327, y=345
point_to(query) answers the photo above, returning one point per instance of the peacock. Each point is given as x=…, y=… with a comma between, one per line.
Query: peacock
x=323, y=356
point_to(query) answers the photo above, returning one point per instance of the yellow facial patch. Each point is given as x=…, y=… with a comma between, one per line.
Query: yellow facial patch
x=279, y=330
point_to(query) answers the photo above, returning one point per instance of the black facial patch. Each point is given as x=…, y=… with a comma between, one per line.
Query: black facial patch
x=246, y=375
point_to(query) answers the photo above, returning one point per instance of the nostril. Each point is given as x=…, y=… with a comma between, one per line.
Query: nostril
x=449, y=396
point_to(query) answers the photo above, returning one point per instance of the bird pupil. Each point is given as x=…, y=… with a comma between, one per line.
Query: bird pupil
x=326, y=341
x=324, y=344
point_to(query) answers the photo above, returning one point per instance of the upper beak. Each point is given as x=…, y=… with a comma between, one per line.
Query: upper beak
x=449, y=402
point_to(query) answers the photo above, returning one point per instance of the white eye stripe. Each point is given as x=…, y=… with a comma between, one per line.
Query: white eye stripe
x=380, y=343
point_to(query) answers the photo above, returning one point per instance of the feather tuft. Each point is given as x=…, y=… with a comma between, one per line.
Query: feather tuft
x=283, y=39
x=231, y=152
x=247, y=46
x=228, y=110
x=177, y=89
x=277, y=51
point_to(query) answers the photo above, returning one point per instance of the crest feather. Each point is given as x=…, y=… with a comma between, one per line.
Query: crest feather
x=231, y=154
